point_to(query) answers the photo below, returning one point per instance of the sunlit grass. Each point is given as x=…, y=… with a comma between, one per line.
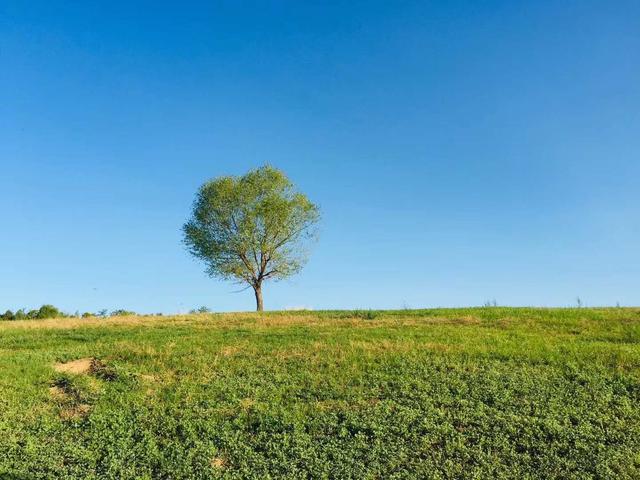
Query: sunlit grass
x=443, y=393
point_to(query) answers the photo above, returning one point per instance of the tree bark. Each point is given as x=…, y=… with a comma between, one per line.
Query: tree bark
x=258, y=291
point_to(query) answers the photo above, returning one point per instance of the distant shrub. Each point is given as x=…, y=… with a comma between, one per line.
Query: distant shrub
x=365, y=314
x=103, y=313
x=200, y=310
x=45, y=311
x=122, y=313
x=87, y=315
x=48, y=311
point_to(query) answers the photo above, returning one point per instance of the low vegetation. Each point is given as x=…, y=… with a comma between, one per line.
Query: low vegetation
x=45, y=311
x=49, y=311
x=461, y=393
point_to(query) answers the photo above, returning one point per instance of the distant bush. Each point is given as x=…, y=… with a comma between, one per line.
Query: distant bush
x=365, y=314
x=87, y=315
x=45, y=311
x=48, y=311
x=201, y=310
x=122, y=313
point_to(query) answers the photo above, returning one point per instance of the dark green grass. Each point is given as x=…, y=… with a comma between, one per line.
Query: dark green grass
x=449, y=393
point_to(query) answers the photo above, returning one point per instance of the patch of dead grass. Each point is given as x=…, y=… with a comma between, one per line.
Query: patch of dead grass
x=76, y=412
x=230, y=350
x=67, y=400
x=57, y=393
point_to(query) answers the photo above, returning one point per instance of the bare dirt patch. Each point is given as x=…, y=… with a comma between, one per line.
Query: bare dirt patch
x=86, y=366
x=82, y=366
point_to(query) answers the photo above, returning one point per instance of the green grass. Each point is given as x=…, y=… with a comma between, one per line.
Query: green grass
x=450, y=393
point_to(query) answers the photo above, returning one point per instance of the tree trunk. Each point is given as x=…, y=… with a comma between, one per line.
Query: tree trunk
x=258, y=291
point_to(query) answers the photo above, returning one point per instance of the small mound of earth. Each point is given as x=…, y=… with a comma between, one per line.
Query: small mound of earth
x=82, y=366
x=86, y=366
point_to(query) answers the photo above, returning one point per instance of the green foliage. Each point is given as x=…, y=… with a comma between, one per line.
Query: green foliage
x=364, y=314
x=251, y=228
x=45, y=311
x=48, y=311
x=122, y=313
x=411, y=394
x=200, y=310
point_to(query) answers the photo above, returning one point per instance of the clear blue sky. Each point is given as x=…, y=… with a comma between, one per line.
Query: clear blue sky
x=460, y=151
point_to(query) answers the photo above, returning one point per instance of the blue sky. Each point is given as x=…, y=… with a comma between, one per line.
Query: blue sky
x=460, y=151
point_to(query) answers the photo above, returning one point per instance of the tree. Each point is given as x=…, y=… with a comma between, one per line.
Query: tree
x=251, y=228
x=47, y=311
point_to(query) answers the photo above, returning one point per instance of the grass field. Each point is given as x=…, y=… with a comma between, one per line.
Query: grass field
x=462, y=393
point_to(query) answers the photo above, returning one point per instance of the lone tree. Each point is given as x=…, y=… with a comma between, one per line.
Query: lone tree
x=251, y=228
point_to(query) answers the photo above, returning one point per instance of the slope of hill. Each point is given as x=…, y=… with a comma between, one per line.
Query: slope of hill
x=452, y=393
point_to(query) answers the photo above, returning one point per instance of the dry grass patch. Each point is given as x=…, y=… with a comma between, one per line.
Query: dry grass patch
x=230, y=350
x=71, y=407
x=77, y=412
x=57, y=393
x=218, y=462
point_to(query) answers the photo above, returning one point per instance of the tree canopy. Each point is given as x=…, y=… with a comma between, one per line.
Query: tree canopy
x=251, y=228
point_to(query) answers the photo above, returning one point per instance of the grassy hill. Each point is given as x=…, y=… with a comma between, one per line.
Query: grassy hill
x=456, y=393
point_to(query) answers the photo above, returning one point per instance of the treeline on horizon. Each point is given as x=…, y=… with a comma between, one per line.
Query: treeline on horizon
x=50, y=311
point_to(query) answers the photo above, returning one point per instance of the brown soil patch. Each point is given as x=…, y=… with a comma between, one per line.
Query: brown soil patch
x=76, y=412
x=86, y=366
x=82, y=366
